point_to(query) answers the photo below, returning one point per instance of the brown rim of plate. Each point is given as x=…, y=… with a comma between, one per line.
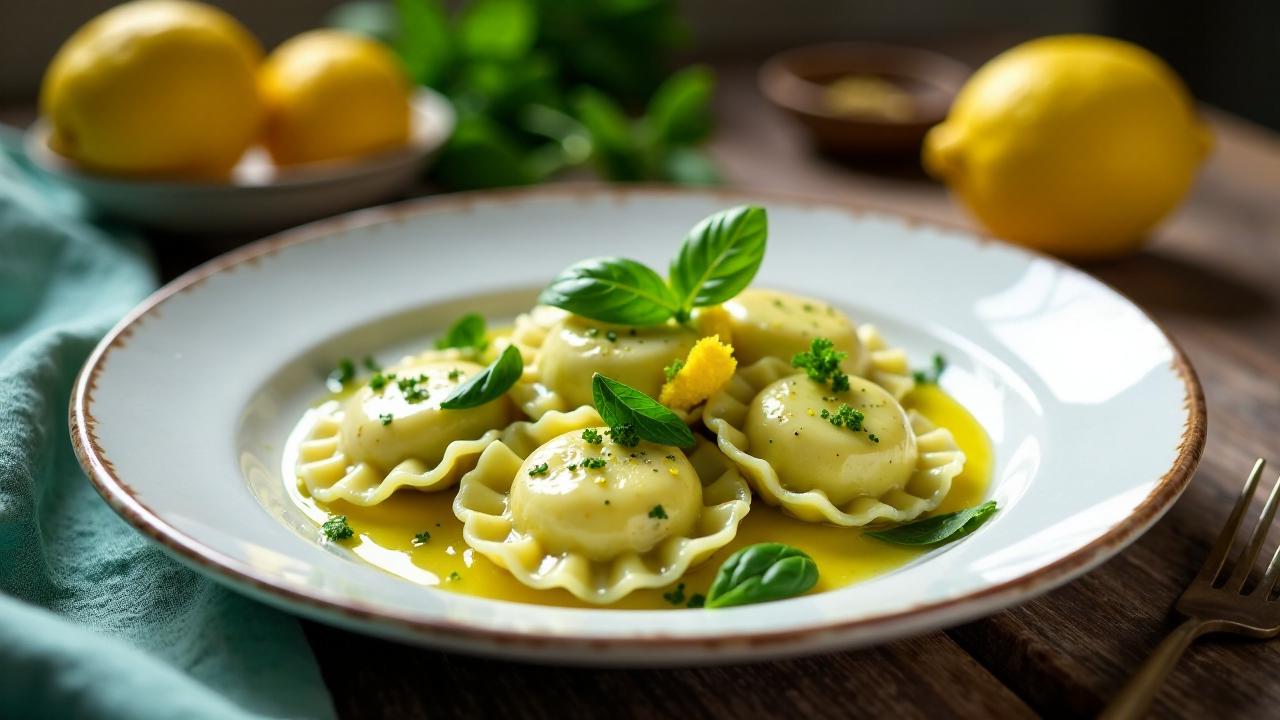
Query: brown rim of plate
x=121, y=499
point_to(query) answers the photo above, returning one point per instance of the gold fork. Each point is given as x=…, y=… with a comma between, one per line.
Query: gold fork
x=1213, y=604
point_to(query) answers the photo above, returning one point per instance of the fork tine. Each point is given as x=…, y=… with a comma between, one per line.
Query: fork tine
x=1240, y=575
x=1218, y=556
x=1267, y=584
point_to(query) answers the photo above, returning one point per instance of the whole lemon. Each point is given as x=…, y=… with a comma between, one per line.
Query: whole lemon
x=1073, y=144
x=331, y=94
x=162, y=88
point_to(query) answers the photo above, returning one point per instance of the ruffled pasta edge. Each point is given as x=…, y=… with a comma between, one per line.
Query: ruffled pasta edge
x=329, y=475
x=939, y=460
x=481, y=505
x=888, y=367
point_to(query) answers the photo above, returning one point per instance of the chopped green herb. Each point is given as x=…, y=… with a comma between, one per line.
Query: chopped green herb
x=412, y=390
x=675, y=597
x=421, y=538
x=822, y=363
x=386, y=418
x=611, y=336
x=594, y=463
x=379, y=381
x=539, y=469
x=592, y=436
x=454, y=374
x=336, y=528
x=454, y=576
x=624, y=435
x=658, y=512
x=673, y=368
x=873, y=437
x=467, y=332
x=574, y=466
x=931, y=376
x=370, y=364
x=344, y=373
x=845, y=416
x=697, y=600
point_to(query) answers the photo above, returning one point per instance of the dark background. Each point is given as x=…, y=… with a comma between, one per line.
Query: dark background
x=1228, y=51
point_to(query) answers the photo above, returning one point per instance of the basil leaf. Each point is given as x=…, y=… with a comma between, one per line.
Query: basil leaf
x=423, y=42
x=680, y=111
x=690, y=166
x=762, y=573
x=720, y=257
x=489, y=384
x=621, y=404
x=481, y=154
x=939, y=529
x=467, y=331
x=614, y=145
x=497, y=29
x=612, y=290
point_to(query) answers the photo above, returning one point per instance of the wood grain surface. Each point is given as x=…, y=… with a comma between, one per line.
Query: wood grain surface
x=1211, y=276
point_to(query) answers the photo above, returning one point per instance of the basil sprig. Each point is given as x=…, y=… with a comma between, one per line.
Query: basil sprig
x=620, y=404
x=762, y=573
x=488, y=384
x=720, y=256
x=613, y=290
x=938, y=529
x=467, y=331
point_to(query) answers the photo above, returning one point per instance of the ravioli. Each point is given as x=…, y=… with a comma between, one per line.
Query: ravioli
x=770, y=323
x=640, y=497
x=599, y=520
x=891, y=466
x=563, y=351
x=396, y=435
x=789, y=425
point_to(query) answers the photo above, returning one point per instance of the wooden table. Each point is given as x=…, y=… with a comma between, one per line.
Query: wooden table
x=1211, y=276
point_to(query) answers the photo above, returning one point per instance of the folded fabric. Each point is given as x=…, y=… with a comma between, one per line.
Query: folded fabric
x=95, y=620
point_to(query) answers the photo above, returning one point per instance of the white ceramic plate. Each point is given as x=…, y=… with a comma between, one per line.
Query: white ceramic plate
x=181, y=414
x=259, y=197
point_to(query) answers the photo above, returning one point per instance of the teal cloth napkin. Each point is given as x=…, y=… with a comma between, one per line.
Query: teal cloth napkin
x=95, y=621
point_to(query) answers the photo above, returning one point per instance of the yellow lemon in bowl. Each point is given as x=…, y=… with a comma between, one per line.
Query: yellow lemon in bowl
x=331, y=94
x=1076, y=145
x=155, y=88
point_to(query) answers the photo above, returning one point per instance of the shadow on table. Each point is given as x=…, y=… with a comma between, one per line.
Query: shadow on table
x=915, y=677
x=1165, y=283
x=896, y=167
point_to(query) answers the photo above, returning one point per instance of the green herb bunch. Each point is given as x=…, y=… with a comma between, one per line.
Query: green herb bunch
x=541, y=86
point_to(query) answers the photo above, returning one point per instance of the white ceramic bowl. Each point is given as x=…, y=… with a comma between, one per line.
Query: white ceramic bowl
x=259, y=196
x=181, y=414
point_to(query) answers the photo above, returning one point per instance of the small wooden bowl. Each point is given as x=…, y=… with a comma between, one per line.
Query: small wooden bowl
x=799, y=81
